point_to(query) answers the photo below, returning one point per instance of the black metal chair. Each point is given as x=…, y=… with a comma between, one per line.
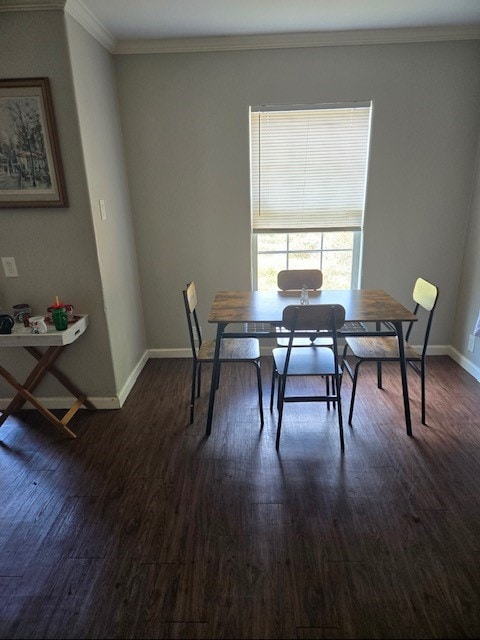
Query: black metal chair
x=238, y=350
x=310, y=361
x=294, y=280
x=385, y=349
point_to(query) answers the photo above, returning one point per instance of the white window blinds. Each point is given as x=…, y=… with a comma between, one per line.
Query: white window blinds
x=308, y=168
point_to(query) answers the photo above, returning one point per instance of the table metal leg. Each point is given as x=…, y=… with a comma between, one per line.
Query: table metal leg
x=403, y=370
x=215, y=376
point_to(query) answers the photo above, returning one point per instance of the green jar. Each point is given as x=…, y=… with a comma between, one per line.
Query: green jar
x=60, y=318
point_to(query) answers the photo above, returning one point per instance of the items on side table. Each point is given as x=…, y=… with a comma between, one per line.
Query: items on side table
x=6, y=323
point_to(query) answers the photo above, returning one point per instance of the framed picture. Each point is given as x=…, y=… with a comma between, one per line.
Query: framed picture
x=31, y=172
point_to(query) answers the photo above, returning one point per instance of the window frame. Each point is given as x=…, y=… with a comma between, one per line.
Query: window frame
x=355, y=276
x=358, y=238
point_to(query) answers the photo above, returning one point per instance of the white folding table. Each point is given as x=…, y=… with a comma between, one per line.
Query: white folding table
x=55, y=343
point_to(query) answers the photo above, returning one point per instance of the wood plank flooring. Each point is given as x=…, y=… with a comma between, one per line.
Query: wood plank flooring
x=143, y=528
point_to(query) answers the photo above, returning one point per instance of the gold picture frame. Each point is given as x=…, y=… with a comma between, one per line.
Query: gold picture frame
x=31, y=171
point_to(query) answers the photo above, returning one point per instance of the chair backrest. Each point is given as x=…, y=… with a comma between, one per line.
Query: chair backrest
x=294, y=279
x=425, y=295
x=325, y=318
x=190, y=299
x=314, y=317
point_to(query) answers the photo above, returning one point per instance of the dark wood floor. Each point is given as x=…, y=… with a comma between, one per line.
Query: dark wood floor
x=142, y=528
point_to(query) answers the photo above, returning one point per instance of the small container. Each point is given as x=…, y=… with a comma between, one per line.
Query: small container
x=6, y=323
x=38, y=324
x=19, y=312
x=69, y=308
x=60, y=318
x=304, y=299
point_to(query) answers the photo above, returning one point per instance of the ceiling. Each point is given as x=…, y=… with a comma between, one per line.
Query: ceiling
x=173, y=19
x=142, y=26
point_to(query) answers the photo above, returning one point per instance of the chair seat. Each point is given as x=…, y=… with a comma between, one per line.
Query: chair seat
x=309, y=361
x=306, y=362
x=232, y=349
x=380, y=348
x=245, y=350
x=385, y=348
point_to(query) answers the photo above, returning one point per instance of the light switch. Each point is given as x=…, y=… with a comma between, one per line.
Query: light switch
x=103, y=211
x=471, y=342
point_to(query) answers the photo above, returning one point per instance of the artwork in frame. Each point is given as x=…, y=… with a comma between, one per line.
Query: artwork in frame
x=31, y=172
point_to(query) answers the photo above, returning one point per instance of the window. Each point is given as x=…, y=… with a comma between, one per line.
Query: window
x=308, y=176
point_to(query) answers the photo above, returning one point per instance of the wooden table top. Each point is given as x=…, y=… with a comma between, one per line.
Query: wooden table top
x=361, y=305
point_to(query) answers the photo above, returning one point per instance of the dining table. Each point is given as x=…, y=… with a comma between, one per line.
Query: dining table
x=257, y=313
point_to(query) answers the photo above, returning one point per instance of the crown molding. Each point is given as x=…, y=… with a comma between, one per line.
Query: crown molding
x=86, y=19
x=292, y=40
x=28, y=5
x=75, y=8
x=89, y=22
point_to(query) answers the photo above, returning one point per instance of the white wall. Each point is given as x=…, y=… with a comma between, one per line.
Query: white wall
x=54, y=249
x=468, y=306
x=71, y=252
x=105, y=169
x=185, y=122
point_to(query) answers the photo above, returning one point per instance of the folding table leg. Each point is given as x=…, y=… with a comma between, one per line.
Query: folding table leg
x=62, y=378
x=26, y=396
x=24, y=392
x=31, y=383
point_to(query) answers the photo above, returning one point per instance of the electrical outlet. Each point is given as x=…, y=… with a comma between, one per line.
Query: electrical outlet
x=10, y=268
x=471, y=343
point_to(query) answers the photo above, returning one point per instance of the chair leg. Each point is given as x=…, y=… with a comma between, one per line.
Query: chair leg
x=334, y=392
x=218, y=377
x=422, y=376
x=379, y=375
x=337, y=383
x=344, y=355
x=379, y=364
x=272, y=390
x=345, y=364
x=327, y=390
x=278, y=393
x=260, y=392
x=281, y=394
x=354, y=388
x=199, y=379
x=192, y=395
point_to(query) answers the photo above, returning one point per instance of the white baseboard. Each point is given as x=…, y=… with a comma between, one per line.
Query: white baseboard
x=116, y=402
x=132, y=378
x=435, y=349
x=169, y=353
x=102, y=402
x=465, y=363
x=62, y=402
